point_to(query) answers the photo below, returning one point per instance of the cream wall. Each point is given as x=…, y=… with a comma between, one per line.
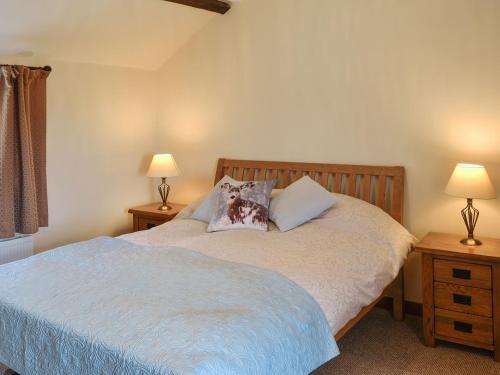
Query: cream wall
x=101, y=130
x=102, y=123
x=412, y=83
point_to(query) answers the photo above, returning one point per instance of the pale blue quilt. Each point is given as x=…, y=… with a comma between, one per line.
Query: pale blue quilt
x=107, y=306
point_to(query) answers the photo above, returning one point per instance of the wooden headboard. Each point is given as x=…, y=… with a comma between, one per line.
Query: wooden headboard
x=381, y=186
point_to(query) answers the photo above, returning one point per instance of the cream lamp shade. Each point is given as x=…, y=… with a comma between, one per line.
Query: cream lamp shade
x=470, y=181
x=163, y=165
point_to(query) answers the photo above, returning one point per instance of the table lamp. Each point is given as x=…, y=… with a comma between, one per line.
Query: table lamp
x=470, y=181
x=163, y=166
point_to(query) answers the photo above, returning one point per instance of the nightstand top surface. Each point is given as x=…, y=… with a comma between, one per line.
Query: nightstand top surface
x=449, y=245
x=153, y=211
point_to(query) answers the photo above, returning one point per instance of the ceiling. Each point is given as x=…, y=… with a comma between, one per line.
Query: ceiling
x=131, y=33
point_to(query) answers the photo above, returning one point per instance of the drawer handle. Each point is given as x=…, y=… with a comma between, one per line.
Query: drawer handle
x=462, y=300
x=462, y=327
x=461, y=274
x=149, y=226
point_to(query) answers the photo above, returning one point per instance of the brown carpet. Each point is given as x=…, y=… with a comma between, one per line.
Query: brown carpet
x=378, y=345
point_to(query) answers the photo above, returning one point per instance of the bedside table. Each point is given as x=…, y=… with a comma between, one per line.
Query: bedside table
x=461, y=291
x=149, y=216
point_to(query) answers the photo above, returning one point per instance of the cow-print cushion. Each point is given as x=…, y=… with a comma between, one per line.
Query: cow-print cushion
x=242, y=205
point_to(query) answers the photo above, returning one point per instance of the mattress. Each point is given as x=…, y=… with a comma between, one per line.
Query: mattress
x=344, y=259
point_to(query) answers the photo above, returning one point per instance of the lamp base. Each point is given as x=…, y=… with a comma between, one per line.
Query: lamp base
x=164, y=189
x=470, y=214
x=164, y=208
x=471, y=242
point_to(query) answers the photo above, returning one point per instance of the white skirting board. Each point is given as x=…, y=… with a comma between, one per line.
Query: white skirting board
x=16, y=248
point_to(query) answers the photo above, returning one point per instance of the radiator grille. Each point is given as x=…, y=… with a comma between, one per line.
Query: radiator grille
x=15, y=248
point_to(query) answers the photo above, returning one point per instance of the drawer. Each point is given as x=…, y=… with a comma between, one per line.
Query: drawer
x=463, y=299
x=462, y=273
x=148, y=223
x=470, y=328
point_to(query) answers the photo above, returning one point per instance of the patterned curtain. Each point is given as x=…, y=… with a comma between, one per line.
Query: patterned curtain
x=23, y=183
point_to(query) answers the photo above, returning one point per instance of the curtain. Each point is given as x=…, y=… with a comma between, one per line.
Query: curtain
x=23, y=181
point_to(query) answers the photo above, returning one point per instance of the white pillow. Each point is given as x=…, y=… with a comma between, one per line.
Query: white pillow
x=300, y=202
x=187, y=211
x=206, y=209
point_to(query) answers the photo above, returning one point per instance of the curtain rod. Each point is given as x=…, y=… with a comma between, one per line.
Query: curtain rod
x=46, y=67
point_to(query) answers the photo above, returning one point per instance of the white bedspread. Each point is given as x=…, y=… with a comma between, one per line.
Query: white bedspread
x=343, y=259
x=109, y=307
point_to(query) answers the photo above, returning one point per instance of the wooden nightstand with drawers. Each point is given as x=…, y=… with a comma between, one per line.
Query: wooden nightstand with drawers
x=149, y=216
x=461, y=291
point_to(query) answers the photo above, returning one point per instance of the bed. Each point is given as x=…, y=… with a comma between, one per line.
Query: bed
x=273, y=310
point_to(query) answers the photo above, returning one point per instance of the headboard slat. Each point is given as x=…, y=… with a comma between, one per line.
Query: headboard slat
x=397, y=198
x=324, y=180
x=377, y=185
x=381, y=191
x=352, y=185
x=337, y=187
x=260, y=175
x=239, y=174
x=272, y=174
x=367, y=187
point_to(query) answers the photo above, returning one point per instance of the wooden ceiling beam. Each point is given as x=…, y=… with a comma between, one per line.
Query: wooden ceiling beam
x=210, y=5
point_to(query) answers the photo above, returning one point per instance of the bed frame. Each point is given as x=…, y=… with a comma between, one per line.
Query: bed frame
x=381, y=186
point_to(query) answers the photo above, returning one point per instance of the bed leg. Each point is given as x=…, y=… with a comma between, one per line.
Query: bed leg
x=398, y=312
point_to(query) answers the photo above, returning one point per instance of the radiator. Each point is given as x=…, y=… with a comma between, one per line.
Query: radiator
x=16, y=248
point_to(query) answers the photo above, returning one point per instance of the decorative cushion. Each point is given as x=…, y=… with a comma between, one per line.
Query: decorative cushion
x=300, y=202
x=242, y=205
x=206, y=208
